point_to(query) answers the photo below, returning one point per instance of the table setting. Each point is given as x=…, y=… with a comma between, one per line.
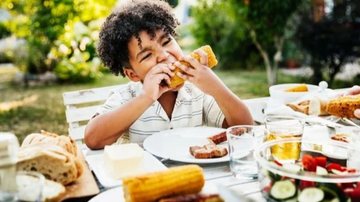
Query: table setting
x=281, y=135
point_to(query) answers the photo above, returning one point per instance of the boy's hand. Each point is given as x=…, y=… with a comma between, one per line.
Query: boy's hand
x=199, y=73
x=355, y=90
x=152, y=85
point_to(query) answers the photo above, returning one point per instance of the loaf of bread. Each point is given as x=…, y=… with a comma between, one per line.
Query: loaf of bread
x=51, y=191
x=52, y=161
x=51, y=138
x=188, y=179
x=212, y=62
x=344, y=106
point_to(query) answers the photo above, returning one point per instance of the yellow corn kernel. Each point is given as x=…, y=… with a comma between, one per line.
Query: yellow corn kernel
x=298, y=88
x=344, y=106
x=151, y=187
x=212, y=62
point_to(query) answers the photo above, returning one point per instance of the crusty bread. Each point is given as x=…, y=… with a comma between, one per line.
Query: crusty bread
x=52, y=161
x=212, y=62
x=51, y=138
x=52, y=191
x=344, y=106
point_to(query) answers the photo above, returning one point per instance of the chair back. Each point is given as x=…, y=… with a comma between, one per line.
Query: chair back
x=81, y=105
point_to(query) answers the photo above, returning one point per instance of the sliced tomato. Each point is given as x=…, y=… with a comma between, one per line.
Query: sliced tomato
x=305, y=184
x=354, y=194
x=309, y=163
x=335, y=166
x=321, y=161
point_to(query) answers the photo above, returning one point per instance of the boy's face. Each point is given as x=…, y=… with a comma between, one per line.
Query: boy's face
x=163, y=48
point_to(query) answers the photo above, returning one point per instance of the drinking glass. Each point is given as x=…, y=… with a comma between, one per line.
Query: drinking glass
x=281, y=127
x=242, y=141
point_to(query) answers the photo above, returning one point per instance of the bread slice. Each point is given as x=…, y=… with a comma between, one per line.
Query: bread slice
x=52, y=161
x=344, y=106
x=212, y=62
x=52, y=191
x=51, y=138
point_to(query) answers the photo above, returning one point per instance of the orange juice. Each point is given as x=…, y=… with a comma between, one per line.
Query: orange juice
x=285, y=151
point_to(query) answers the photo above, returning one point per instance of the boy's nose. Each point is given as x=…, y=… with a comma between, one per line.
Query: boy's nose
x=162, y=56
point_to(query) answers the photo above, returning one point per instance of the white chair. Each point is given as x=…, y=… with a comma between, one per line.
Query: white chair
x=80, y=106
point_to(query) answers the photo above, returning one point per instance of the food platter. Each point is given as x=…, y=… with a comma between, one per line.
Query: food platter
x=174, y=144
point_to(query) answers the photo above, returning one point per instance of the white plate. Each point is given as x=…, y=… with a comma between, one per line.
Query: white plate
x=257, y=108
x=117, y=194
x=174, y=144
x=96, y=163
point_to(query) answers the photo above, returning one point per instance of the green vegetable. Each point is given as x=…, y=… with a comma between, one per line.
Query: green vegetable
x=283, y=190
x=311, y=194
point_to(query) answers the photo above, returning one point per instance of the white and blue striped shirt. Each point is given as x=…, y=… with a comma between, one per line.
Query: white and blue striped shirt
x=192, y=108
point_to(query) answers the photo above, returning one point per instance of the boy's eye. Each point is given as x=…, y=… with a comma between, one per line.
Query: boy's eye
x=145, y=57
x=167, y=41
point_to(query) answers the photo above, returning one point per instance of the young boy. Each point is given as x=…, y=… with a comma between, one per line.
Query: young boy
x=137, y=41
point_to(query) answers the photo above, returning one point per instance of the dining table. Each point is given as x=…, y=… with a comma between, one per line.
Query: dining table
x=217, y=174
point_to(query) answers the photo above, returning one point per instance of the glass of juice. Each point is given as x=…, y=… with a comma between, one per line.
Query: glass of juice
x=281, y=127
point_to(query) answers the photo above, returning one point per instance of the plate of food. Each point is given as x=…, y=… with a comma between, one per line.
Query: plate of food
x=190, y=145
x=189, y=183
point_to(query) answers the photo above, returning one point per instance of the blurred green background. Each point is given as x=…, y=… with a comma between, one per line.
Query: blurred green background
x=49, y=47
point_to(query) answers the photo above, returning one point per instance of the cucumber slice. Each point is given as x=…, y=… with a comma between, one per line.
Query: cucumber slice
x=311, y=194
x=283, y=189
x=321, y=171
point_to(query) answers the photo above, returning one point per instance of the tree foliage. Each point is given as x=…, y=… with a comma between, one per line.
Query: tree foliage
x=332, y=41
x=46, y=25
x=216, y=23
x=230, y=24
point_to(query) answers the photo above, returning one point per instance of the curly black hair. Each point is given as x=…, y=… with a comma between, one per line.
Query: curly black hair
x=127, y=21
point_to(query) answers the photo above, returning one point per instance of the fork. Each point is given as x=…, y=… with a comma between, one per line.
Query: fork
x=350, y=122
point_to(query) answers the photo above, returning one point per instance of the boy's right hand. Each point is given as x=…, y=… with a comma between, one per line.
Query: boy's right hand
x=152, y=84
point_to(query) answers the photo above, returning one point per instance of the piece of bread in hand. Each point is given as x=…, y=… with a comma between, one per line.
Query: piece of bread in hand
x=51, y=138
x=52, y=161
x=52, y=191
x=212, y=62
x=344, y=106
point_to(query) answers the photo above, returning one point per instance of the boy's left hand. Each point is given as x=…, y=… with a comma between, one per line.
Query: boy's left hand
x=199, y=73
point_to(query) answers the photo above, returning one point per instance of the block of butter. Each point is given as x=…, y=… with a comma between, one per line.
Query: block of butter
x=123, y=160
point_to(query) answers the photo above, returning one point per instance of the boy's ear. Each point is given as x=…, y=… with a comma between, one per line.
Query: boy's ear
x=131, y=74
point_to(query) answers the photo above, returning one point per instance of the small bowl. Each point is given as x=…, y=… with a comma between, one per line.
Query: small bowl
x=293, y=180
x=279, y=93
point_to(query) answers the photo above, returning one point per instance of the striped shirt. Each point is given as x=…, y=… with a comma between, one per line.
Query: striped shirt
x=192, y=108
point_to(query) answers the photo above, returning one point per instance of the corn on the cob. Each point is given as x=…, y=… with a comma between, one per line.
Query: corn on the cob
x=344, y=106
x=212, y=61
x=298, y=88
x=153, y=186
